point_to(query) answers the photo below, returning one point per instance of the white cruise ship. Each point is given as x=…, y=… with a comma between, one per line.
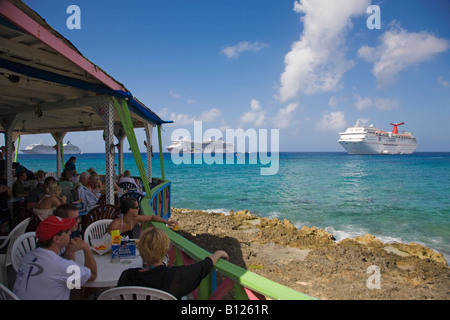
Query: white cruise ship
x=370, y=140
x=39, y=148
x=213, y=146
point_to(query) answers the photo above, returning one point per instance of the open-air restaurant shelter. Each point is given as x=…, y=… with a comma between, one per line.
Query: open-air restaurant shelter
x=48, y=86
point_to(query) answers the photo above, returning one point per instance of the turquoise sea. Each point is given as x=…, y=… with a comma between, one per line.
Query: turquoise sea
x=397, y=198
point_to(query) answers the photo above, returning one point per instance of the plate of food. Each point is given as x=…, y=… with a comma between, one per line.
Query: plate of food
x=103, y=245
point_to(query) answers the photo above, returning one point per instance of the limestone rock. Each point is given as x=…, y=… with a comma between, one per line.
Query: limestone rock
x=420, y=251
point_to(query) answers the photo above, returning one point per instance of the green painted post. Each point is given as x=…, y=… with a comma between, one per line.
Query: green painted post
x=127, y=124
x=160, y=152
x=178, y=260
x=205, y=288
x=239, y=292
x=17, y=149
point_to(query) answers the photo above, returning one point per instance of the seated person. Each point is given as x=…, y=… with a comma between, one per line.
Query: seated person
x=5, y=195
x=179, y=281
x=95, y=184
x=74, y=178
x=68, y=211
x=36, y=194
x=42, y=273
x=129, y=209
x=127, y=178
x=49, y=202
x=18, y=188
x=85, y=194
x=64, y=181
x=40, y=177
x=18, y=168
x=67, y=187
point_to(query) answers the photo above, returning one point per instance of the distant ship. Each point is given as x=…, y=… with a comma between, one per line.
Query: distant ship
x=370, y=140
x=39, y=148
x=212, y=146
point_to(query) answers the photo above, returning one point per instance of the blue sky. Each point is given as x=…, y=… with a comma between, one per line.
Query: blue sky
x=309, y=68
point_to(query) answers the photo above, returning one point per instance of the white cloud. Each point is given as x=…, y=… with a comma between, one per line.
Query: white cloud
x=337, y=100
x=386, y=104
x=332, y=121
x=317, y=61
x=210, y=115
x=174, y=94
x=163, y=113
x=255, y=116
x=363, y=103
x=182, y=119
x=400, y=49
x=443, y=82
x=243, y=46
x=178, y=96
x=283, y=118
x=378, y=103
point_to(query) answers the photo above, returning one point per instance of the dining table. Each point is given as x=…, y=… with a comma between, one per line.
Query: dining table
x=108, y=269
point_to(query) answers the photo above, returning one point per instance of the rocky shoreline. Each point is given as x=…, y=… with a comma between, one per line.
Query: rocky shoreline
x=310, y=261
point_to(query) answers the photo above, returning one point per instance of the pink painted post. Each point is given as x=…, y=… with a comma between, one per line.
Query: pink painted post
x=222, y=290
x=186, y=259
x=172, y=253
x=254, y=295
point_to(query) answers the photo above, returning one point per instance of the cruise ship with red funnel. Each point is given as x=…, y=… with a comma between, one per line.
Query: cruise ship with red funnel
x=361, y=139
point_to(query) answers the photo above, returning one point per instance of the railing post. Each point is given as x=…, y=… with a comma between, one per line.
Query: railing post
x=222, y=290
x=205, y=289
x=149, y=150
x=239, y=292
x=161, y=158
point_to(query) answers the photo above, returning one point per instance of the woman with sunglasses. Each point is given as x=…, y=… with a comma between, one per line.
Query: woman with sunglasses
x=129, y=217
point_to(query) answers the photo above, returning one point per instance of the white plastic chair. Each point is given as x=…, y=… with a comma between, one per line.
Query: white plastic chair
x=53, y=175
x=96, y=230
x=23, y=244
x=5, y=258
x=135, y=293
x=6, y=294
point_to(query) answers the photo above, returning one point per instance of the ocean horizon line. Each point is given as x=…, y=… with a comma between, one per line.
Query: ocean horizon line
x=280, y=152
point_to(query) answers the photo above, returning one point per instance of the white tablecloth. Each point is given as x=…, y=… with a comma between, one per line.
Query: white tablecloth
x=108, y=271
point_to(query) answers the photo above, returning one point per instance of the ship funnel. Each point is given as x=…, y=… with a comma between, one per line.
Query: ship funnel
x=395, y=129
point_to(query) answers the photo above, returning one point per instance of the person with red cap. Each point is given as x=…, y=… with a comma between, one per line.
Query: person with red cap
x=45, y=275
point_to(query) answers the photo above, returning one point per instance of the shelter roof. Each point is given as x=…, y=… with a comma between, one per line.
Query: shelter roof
x=47, y=80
